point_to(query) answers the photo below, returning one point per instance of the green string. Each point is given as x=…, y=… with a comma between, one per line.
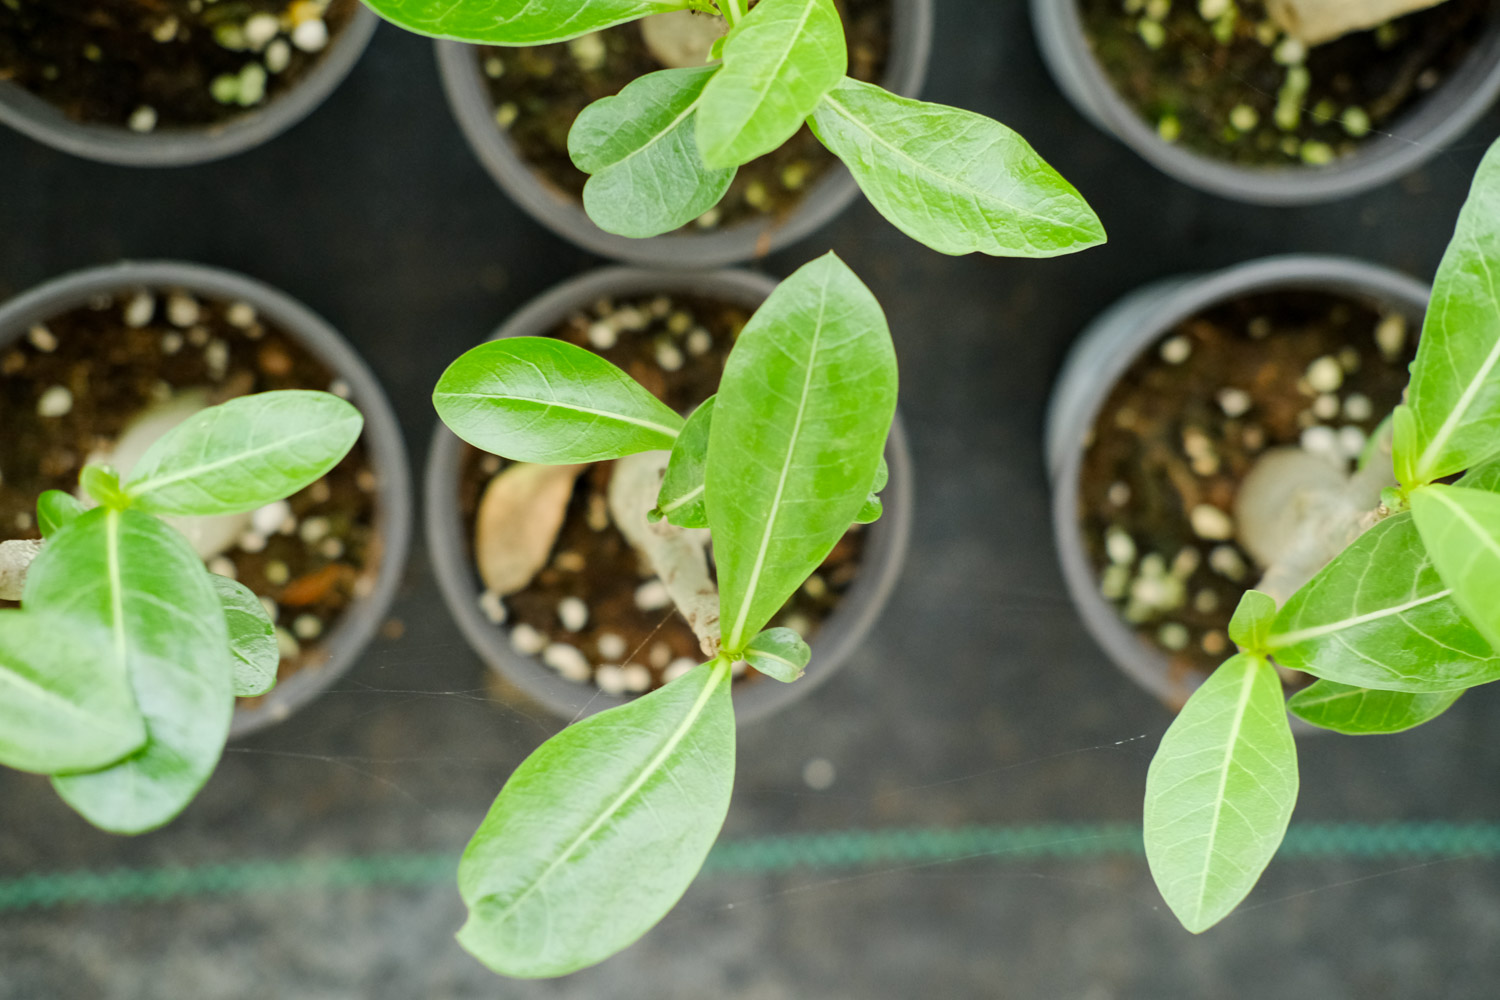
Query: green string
x=837, y=851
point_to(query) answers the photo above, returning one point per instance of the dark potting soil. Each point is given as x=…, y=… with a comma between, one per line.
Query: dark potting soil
x=676, y=347
x=1215, y=87
x=539, y=91
x=71, y=386
x=104, y=61
x=1185, y=425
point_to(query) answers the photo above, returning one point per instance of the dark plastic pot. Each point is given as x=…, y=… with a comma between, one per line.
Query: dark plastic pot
x=31, y=115
x=342, y=644
x=464, y=81
x=1107, y=349
x=1445, y=114
x=447, y=535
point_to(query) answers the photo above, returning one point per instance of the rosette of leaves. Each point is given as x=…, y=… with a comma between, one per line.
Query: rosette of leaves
x=1395, y=628
x=119, y=671
x=600, y=831
x=664, y=150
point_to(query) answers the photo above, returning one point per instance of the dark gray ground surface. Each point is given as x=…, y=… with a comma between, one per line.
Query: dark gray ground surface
x=975, y=701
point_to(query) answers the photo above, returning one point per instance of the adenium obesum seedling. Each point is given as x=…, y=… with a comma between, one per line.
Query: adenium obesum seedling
x=1395, y=627
x=664, y=150
x=118, y=674
x=600, y=831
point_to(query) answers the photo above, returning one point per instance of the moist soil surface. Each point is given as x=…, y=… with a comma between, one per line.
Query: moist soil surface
x=1215, y=90
x=1186, y=423
x=676, y=347
x=539, y=91
x=70, y=386
x=103, y=61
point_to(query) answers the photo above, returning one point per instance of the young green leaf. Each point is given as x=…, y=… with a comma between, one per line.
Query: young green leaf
x=1485, y=476
x=1454, y=396
x=244, y=454
x=648, y=177
x=779, y=653
x=778, y=61
x=130, y=574
x=516, y=22
x=54, y=509
x=951, y=179
x=1358, y=711
x=801, y=420
x=63, y=705
x=681, y=498
x=539, y=399
x=873, y=508
x=103, y=486
x=252, y=638
x=1252, y=621
x=1461, y=529
x=1220, y=792
x=1380, y=616
x=601, y=830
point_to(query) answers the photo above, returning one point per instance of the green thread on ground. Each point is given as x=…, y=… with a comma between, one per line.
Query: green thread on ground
x=841, y=850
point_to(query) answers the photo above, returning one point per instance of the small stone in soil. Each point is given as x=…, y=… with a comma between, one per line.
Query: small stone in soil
x=815, y=587
x=1173, y=636
x=1119, y=494
x=567, y=660
x=677, y=668
x=798, y=624
x=240, y=314
x=660, y=655
x=223, y=566
x=287, y=645
x=1325, y=374
x=271, y=610
x=42, y=339
x=55, y=402
x=310, y=36
x=139, y=310
x=1211, y=523
x=610, y=678
x=1320, y=440
x=267, y=520
x=1115, y=582
x=198, y=336
x=182, y=310
x=1206, y=601
x=526, y=640
x=699, y=342
x=331, y=548
x=307, y=627
x=602, y=336
x=1176, y=350
x=314, y=530
x=668, y=357
x=1226, y=561
x=569, y=562
x=1119, y=546
x=1214, y=643
x=611, y=646
x=573, y=614
x=1234, y=402
x=1358, y=407
x=637, y=678
x=652, y=596
x=142, y=119
x=1352, y=441
x=277, y=573
x=1390, y=336
x=1326, y=406
x=492, y=607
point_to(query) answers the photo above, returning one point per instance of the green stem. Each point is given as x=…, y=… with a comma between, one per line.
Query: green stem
x=733, y=10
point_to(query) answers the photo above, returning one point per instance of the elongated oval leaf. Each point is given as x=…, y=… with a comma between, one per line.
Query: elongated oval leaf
x=130, y=574
x=1252, y=621
x=1380, y=616
x=951, y=179
x=648, y=177
x=681, y=498
x=1461, y=529
x=515, y=22
x=252, y=638
x=799, y=426
x=779, y=653
x=601, y=830
x=245, y=453
x=1358, y=711
x=54, y=509
x=538, y=399
x=1454, y=397
x=778, y=61
x=64, y=704
x=1220, y=792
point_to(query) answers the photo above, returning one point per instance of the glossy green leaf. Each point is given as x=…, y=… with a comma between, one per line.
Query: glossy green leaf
x=54, y=509
x=516, y=22
x=130, y=574
x=1252, y=620
x=1358, y=711
x=103, y=486
x=601, y=830
x=1220, y=792
x=1380, y=616
x=64, y=704
x=1454, y=396
x=538, y=399
x=252, y=638
x=648, y=177
x=681, y=498
x=245, y=453
x=1461, y=529
x=873, y=508
x=951, y=179
x=799, y=427
x=778, y=61
x=1485, y=476
x=779, y=653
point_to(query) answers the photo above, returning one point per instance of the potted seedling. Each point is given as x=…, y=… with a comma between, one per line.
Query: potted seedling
x=600, y=831
x=171, y=82
x=666, y=148
x=122, y=665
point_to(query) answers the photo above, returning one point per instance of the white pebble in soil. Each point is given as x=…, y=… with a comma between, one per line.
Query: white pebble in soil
x=1390, y=336
x=573, y=614
x=1358, y=407
x=1326, y=406
x=668, y=357
x=1176, y=350
x=1352, y=442
x=819, y=774
x=286, y=644
x=660, y=655
x=277, y=573
x=42, y=339
x=699, y=342
x=183, y=310
x=1325, y=374
x=139, y=310
x=611, y=646
x=568, y=661
x=171, y=342
x=678, y=667
x=1226, y=561
x=307, y=627
x=602, y=336
x=142, y=119
x=610, y=678
x=278, y=56
x=222, y=566
x=1211, y=523
x=310, y=36
x=637, y=678
x=267, y=520
x=1234, y=402
x=55, y=402
x=1119, y=494
x=314, y=530
x=216, y=356
x=1119, y=546
x=271, y=610
x=1321, y=441
x=260, y=29
x=240, y=315
x=526, y=640
x=492, y=607
x=652, y=596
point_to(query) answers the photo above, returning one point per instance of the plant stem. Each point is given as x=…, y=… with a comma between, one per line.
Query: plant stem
x=733, y=10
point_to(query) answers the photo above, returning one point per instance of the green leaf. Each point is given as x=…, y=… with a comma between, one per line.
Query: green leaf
x=1454, y=396
x=1380, y=616
x=953, y=180
x=252, y=637
x=681, y=498
x=64, y=706
x=54, y=509
x=800, y=424
x=1485, y=476
x=601, y=830
x=538, y=399
x=778, y=61
x=648, y=177
x=1220, y=792
x=130, y=574
x=245, y=453
x=103, y=486
x=779, y=653
x=1252, y=621
x=516, y=22
x=1358, y=711
x=873, y=508
x=1461, y=529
